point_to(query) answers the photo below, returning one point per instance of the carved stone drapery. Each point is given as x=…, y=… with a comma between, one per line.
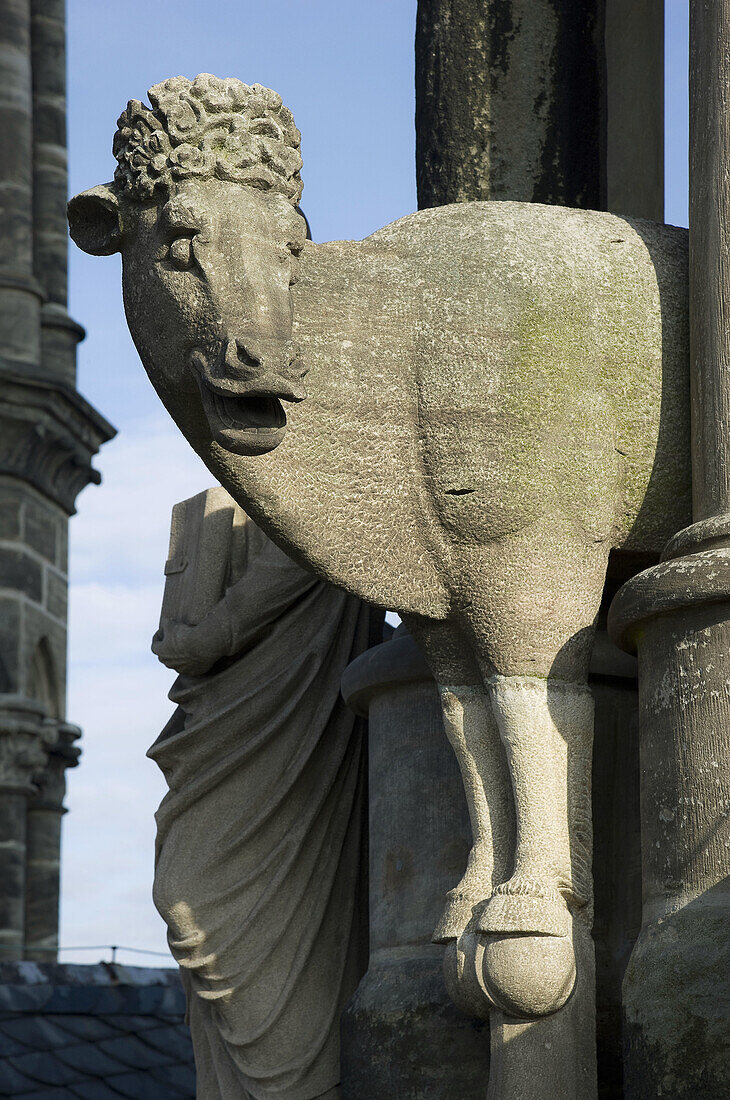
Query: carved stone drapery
x=258, y=868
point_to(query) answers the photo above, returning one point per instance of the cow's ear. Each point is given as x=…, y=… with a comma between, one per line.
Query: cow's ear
x=94, y=220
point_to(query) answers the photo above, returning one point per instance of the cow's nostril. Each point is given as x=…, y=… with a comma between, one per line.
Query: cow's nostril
x=245, y=356
x=238, y=356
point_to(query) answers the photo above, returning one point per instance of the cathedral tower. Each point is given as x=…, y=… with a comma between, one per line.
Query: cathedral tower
x=48, y=436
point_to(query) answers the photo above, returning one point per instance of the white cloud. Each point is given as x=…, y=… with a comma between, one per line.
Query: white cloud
x=122, y=528
x=118, y=689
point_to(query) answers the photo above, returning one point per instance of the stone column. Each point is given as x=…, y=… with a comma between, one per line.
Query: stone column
x=509, y=101
x=20, y=294
x=43, y=845
x=538, y=101
x=48, y=436
x=401, y=1036
x=59, y=334
x=634, y=42
x=677, y=616
x=22, y=755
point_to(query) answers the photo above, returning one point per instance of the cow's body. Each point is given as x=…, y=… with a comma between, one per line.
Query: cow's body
x=475, y=370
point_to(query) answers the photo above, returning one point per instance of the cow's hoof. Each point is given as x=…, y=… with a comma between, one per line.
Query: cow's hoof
x=523, y=906
x=457, y=913
x=528, y=976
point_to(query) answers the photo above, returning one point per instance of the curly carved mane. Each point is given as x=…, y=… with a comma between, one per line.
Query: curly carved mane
x=208, y=127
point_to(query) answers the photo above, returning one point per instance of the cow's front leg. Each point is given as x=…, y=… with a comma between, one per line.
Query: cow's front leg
x=546, y=727
x=475, y=738
x=474, y=735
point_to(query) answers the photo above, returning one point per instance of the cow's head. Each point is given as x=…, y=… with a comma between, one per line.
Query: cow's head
x=203, y=210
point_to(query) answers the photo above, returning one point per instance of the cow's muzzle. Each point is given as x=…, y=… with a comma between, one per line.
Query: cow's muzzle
x=242, y=395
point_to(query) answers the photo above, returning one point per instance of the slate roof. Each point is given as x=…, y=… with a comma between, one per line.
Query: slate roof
x=99, y=1032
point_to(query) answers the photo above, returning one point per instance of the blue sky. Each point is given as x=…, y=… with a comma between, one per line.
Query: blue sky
x=346, y=71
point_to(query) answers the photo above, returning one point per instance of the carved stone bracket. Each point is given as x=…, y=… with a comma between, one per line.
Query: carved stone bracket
x=25, y=741
x=62, y=754
x=48, y=437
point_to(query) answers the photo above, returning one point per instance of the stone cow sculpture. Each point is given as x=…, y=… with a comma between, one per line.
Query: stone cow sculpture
x=496, y=398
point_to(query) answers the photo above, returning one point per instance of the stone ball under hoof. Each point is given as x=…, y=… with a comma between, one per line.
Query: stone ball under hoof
x=463, y=976
x=529, y=975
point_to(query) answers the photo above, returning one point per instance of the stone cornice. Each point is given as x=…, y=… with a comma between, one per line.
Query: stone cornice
x=48, y=436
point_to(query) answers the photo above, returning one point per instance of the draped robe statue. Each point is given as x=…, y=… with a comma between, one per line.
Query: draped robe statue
x=259, y=873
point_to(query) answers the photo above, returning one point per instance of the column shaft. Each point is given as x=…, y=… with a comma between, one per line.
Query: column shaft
x=635, y=108
x=401, y=1036
x=23, y=754
x=19, y=293
x=43, y=857
x=709, y=256
x=43, y=866
x=12, y=874
x=509, y=101
x=59, y=334
x=677, y=616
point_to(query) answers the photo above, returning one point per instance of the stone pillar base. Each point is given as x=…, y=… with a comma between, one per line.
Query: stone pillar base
x=676, y=991
x=402, y=1036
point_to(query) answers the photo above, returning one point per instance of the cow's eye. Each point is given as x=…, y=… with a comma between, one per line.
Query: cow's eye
x=181, y=253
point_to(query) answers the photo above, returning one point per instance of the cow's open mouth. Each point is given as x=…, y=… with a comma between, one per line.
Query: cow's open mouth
x=245, y=415
x=244, y=423
x=250, y=412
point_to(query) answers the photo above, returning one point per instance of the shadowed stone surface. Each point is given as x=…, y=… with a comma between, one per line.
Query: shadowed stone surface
x=48, y=436
x=676, y=617
x=401, y=1035
x=508, y=101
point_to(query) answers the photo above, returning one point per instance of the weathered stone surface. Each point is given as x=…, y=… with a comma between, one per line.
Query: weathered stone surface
x=40, y=530
x=12, y=868
x=676, y=617
x=542, y=101
x=10, y=518
x=21, y=573
x=20, y=294
x=9, y=645
x=508, y=101
x=533, y=1059
x=634, y=107
x=259, y=853
x=56, y=595
x=45, y=811
x=48, y=434
x=401, y=1035
x=24, y=743
x=676, y=993
x=43, y=658
x=48, y=437
x=496, y=397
